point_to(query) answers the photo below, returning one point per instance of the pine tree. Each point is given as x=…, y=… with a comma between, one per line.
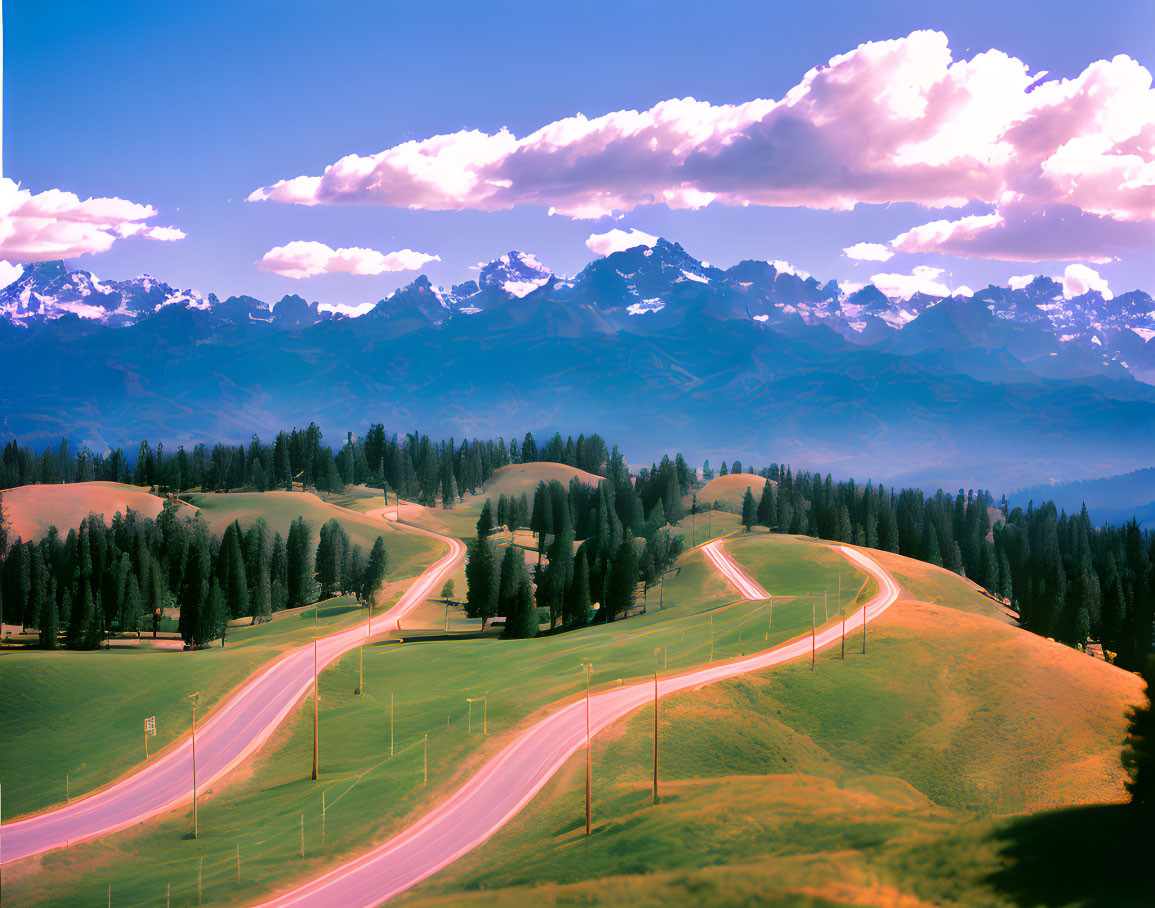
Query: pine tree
x=231, y=573
x=623, y=579
x=218, y=614
x=279, y=574
x=133, y=605
x=931, y=546
x=481, y=581
x=522, y=623
x=749, y=510
x=512, y=567
x=577, y=595
x=766, y=509
x=299, y=554
x=485, y=521
x=375, y=571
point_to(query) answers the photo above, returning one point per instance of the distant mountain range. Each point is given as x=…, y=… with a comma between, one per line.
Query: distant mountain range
x=650, y=346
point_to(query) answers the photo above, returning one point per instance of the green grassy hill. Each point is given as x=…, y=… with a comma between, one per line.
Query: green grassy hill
x=909, y=776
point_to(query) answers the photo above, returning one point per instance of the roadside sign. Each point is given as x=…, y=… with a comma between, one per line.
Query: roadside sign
x=150, y=725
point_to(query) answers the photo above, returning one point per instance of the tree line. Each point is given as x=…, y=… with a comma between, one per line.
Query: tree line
x=101, y=578
x=415, y=466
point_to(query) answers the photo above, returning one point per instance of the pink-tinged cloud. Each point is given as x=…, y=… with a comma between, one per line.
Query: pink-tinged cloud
x=37, y=227
x=302, y=258
x=1016, y=232
x=869, y=252
x=617, y=240
x=890, y=121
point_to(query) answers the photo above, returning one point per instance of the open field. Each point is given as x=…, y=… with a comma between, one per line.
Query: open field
x=409, y=553
x=892, y=779
x=431, y=682
x=30, y=510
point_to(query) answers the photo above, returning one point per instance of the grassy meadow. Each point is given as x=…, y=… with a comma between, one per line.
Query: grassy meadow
x=370, y=794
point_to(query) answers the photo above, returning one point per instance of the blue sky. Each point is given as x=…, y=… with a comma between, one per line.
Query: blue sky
x=189, y=108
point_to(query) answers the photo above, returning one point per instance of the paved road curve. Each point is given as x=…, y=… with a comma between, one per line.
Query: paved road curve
x=502, y=787
x=746, y=586
x=231, y=733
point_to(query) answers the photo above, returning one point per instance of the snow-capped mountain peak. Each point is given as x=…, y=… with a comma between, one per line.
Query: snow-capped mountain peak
x=48, y=290
x=517, y=273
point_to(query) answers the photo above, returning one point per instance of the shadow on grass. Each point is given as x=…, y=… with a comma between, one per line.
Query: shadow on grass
x=1093, y=856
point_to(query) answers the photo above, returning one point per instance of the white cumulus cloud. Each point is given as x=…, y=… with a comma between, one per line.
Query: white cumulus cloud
x=617, y=240
x=1078, y=279
x=869, y=252
x=1019, y=281
x=10, y=272
x=1067, y=166
x=37, y=227
x=923, y=279
x=305, y=258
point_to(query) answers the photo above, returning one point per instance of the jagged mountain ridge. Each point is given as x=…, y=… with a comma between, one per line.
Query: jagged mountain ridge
x=648, y=344
x=1105, y=334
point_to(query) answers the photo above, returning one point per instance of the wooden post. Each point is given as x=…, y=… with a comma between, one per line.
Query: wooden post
x=324, y=811
x=589, y=755
x=390, y=723
x=711, y=636
x=238, y=863
x=425, y=761
x=316, y=712
x=813, y=635
x=201, y=882
x=655, y=737
x=864, y=628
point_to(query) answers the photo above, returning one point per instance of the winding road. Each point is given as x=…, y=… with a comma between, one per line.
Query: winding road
x=504, y=785
x=230, y=733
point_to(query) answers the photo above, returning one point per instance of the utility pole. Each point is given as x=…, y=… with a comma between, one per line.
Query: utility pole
x=813, y=636
x=194, y=697
x=655, y=737
x=316, y=703
x=390, y=723
x=711, y=636
x=693, y=511
x=843, y=633
x=589, y=753
x=864, y=628
x=769, y=619
x=425, y=761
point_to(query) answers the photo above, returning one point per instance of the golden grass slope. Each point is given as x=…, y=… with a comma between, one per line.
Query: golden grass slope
x=30, y=510
x=729, y=490
x=895, y=778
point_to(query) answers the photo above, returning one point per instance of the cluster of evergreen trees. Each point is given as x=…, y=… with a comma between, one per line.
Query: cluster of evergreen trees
x=100, y=578
x=415, y=466
x=610, y=520
x=1066, y=578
